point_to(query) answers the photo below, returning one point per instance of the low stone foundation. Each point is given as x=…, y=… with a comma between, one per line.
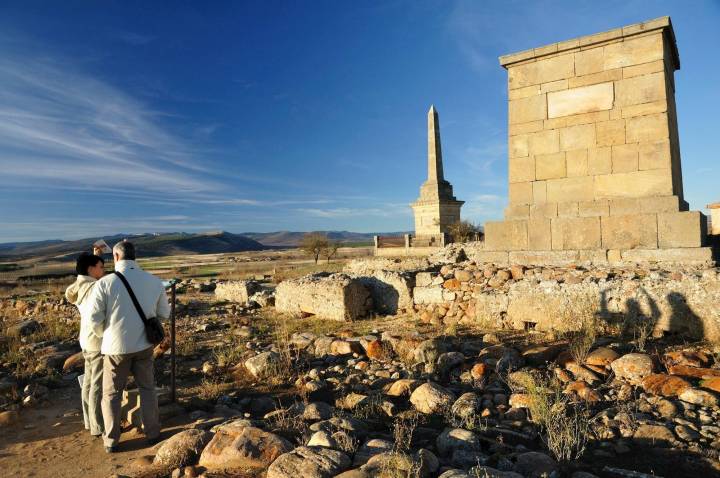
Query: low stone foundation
x=697, y=256
x=686, y=301
x=236, y=291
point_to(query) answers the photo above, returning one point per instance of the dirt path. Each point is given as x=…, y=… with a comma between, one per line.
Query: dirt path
x=51, y=442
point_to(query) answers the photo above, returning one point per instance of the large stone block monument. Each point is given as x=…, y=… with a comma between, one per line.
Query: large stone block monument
x=594, y=153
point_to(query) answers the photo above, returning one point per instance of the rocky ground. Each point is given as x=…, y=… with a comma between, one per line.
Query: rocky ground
x=266, y=394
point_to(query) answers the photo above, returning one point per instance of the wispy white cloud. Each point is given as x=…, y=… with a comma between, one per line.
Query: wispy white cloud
x=63, y=128
x=488, y=198
x=389, y=210
x=482, y=207
x=470, y=23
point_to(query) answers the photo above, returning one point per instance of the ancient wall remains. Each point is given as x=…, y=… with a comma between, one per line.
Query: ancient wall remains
x=685, y=302
x=335, y=297
x=593, y=148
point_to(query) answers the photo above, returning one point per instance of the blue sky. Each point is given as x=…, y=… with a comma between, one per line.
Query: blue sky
x=298, y=115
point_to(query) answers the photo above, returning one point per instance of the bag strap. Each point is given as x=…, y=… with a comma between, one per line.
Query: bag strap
x=132, y=296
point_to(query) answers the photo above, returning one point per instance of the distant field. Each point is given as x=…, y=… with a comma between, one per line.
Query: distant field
x=278, y=263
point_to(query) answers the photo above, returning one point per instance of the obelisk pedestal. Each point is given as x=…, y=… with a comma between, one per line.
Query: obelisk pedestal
x=594, y=153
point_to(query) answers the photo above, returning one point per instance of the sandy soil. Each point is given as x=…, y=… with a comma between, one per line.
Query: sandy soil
x=51, y=441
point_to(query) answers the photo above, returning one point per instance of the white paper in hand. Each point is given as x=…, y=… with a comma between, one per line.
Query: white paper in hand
x=102, y=245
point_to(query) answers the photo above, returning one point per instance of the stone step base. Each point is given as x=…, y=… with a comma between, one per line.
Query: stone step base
x=130, y=407
x=664, y=230
x=697, y=256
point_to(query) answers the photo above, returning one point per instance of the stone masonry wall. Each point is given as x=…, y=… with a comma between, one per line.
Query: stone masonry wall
x=557, y=298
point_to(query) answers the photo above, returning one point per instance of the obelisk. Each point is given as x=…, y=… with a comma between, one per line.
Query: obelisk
x=436, y=208
x=435, y=167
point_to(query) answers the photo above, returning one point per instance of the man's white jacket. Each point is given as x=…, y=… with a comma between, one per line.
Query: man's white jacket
x=113, y=314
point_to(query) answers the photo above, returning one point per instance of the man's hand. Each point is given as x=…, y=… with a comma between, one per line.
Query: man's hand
x=97, y=251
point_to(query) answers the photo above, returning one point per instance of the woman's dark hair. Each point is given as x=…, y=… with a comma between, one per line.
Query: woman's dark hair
x=85, y=261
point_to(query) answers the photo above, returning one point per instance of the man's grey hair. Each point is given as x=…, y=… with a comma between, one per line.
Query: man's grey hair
x=125, y=250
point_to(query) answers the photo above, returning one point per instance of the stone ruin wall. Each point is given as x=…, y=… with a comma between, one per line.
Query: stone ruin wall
x=593, y=150
x=676, y=300
x=685, y=302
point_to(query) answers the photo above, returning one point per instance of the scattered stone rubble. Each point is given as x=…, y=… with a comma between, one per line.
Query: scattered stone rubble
x=354, y=395
x=451, y=392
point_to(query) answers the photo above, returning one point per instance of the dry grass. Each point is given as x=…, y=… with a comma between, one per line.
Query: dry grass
x=228, y=355
x=567, y=433
x=578, y=312
x=581, y=317
x=247, y=270
x=566, y=427
x=543, y=394
x=642, y=330
x=211, y=390
x=23, y=361
x=399, y=463
x=582, y=341
x=289, y=424
x=345, y=441
x=56, y=327
x=186, y=345
x=403, y=431
x=470, y=421
x=370, y=408
x=288, y=366
x=267, y=323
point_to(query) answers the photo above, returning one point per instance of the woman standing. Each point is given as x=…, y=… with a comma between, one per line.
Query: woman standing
x=89, y=268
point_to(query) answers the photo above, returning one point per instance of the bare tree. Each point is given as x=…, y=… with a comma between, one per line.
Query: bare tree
x=330, y=250
x=314, y=244
x=463, y=231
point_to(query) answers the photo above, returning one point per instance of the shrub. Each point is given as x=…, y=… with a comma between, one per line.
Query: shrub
x=566, y=426
x=463, y=231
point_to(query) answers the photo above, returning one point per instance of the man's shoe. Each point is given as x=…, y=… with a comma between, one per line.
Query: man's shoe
x=110, y=449
x=153, y=441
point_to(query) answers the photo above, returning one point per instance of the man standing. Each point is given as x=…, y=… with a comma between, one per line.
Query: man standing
x=124, y=342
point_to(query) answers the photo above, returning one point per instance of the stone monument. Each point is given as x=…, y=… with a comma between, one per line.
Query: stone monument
x=436, y=208
x=714, y=219
x=594, y=154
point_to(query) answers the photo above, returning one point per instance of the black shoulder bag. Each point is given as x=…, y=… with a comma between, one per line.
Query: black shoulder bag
x=153, y=328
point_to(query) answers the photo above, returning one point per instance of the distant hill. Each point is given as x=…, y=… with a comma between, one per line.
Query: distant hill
x=292, y=239
x=175, y=243
x=148, y=245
